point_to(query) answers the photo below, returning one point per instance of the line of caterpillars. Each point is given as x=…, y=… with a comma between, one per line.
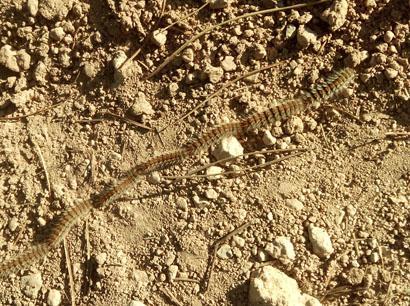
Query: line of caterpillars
x=320, y=92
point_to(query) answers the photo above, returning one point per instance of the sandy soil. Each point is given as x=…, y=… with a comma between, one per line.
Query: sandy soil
x=154, y=244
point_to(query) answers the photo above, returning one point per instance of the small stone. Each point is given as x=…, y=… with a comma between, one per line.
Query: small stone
x=290, y=31
x=31, y=285
x=320, y=240
x=370, y=3
x=239, y=241
x=259, y=51
x=41, y=221
x=154, y=177
x=90, y=70
x=228, y=64
x=55, y=9
x=228, y=147
x=54, y=297
x=32, y=7
x=388, y=36
x=182, y=204
x=13, y=224
x=305, y=37
x=159, y=37
x=355, y=276
x=214, y=74
x=219, y=4
x=351, y=210
x=281, y=248
x=57, y=33
x=101, y=258
x=211, y=194
x=141, y=279
x=374, y=257
x=225, y=252
x=141, y=106
x=268, y=139
x=136, y=303
x=294, y=204
x=391, y=73
x=262, y=256
x=213, y=172
x=173, y=89
x=8, y=58
x=23, y=59
x=336, y=14
x=118, y=59
x=40, y=72
x=294, y=125
x=188, y=55
x=172, y=272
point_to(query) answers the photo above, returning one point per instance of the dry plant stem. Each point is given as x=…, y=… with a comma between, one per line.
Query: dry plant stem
x=258, y=120
x=216, y=93
x=132, y=122
x=70, y=273
x=268, y=11
x=185, y=17
x=145, y=40
x=42, y=162
x=31, y=114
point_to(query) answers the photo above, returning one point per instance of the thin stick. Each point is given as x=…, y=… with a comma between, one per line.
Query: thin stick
x=170, y=296
x=31, y=114
x=195, y=37
x=216, y=93
x=70, y=272
x=42, y=162
x=145, y=40
x=185, y=17
x=128, y=120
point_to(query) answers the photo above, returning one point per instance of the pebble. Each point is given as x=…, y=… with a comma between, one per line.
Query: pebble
x=57, y=33
x=305, y=37
x=101, y=258
x=336, y=14
x=8, y=58
x=351, y=210
x=294, y=204
x=225, y=251
x=374, y=257
x=268, y=139
x=228, y=64
x=54, y=297
x=219, y=4
x=13, y=224
x=173, y=89
x=388, y=36
x=136, y=303
x=31, y=285
x=227, y=147
x=40, y=72
x=290, y=31
x=214, y=172
x=355, y=276
x=211, y=194
x=320, y=240
x=391, y=73
x=294, y=125
x=281, y=248
x=239, y=241
x=271, y=287
x=172, y=272
x=182, y=204
x=118, y=59
x=188, y=55
x=159, y=37
x=214, y=74
x=90, y=70
x=55, y=9
x=141, y=278
x=32, y=7
x=141, y=106
x=259, y=51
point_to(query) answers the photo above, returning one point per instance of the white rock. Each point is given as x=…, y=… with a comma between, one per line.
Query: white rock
x=239, y=241
x=281, y=248
x=32, y=7
x=31, y=285
x=268, y=139
x=136, y=303
x=294, y=125
x=214, y=74
x=118, y=59
x=225, y=251
x=228, y=147
x=211, y=194
x=182, y=204
x=172, y=272
x=141, y=278
x=54, y=297
x=57, y=33
x=213, y=171
x=13, y=224
x=320, y=240
x=141, y=106
x=8, y=58
x=294, y=204
x=305, y=37
x=228, y=64
x=159, y=37
x=271, y=287
x=335, y=15
x=101, y=258
x=23, y=59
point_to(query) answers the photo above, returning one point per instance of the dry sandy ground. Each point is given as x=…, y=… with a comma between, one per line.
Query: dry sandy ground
x=154, y=244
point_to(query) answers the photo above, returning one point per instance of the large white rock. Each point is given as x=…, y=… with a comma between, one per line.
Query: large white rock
x=271, y=287
x=228, y=147
x=320, y=240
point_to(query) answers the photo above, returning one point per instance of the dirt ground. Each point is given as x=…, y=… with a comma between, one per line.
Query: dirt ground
x=72, y=122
